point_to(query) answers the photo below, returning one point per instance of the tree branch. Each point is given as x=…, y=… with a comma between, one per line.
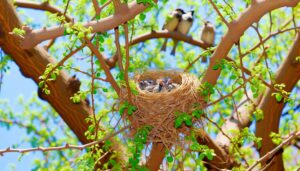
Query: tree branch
x=129, y=11
x=288, y=74
x=103, y=64
x=166, y=34
x=42, y=6
x=271, y=154
x=67, y=146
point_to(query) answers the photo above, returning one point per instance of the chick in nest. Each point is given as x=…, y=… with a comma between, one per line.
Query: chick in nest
x=170, y=85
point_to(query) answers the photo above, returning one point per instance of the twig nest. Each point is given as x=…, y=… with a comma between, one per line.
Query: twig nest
x=158, y=109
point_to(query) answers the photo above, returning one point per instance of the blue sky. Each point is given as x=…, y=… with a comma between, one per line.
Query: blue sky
x=11, y=90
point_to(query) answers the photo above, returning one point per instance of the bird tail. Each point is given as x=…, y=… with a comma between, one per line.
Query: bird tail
x=164, y=46
x=174, y=48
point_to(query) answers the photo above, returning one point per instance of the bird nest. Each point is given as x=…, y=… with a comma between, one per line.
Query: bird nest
x=159, y=109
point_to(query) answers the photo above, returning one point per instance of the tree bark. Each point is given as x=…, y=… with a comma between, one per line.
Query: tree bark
x=32, y=63
x=288, y=74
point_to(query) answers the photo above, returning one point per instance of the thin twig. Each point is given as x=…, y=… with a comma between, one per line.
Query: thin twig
x=275, y=150
x=219, y=13
x=127, y=60
x=67, y=146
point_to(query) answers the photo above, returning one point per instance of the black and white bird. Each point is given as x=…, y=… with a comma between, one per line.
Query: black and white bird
x=208, y=35
x=184, y=26
x=171, y=23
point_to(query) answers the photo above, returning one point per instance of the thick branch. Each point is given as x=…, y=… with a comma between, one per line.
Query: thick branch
x=288, y=74
x=156, y=156
x=129, y=11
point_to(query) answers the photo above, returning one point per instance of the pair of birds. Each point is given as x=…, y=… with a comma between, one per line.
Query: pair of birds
x=158, y=86
x=180, y=21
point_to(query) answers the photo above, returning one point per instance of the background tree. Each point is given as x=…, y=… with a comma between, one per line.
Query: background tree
x=249, y=115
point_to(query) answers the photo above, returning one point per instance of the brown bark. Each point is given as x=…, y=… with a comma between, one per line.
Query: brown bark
x=288, y=74
x=156, y=156
x=125, y=13
x=166, y=34
x=32, y=63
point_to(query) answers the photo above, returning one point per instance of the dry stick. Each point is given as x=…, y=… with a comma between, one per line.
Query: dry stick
x=219, y=13
x=103, y=64
x=119, y=55
x=127, y=61
x=275, y=150
x=67, y=146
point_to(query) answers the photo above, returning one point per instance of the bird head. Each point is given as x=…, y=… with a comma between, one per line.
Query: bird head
x=179, y=11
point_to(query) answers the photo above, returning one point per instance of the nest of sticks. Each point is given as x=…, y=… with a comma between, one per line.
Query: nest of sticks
x=159, y=109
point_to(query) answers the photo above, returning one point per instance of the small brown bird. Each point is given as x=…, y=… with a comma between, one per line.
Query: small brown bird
x=208, y=35
x=73, y=84
x=171, y=23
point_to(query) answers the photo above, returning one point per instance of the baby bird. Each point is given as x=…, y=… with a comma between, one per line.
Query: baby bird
x=171, y=85
x=208, y=35
x=160, y=87
x=184, y=26
x=171, y=23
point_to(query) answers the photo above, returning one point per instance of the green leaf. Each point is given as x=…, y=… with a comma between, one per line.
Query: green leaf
x=188, y=122
x=178, y=122
x=278, y=97
x=142, y=16
x=197, y=113
x=216, y=67
x=170, y=159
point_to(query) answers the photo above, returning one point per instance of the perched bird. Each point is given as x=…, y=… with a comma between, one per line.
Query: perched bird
x=183, y=27
x=208, y=35
x=73, y=84
x=171, y=23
